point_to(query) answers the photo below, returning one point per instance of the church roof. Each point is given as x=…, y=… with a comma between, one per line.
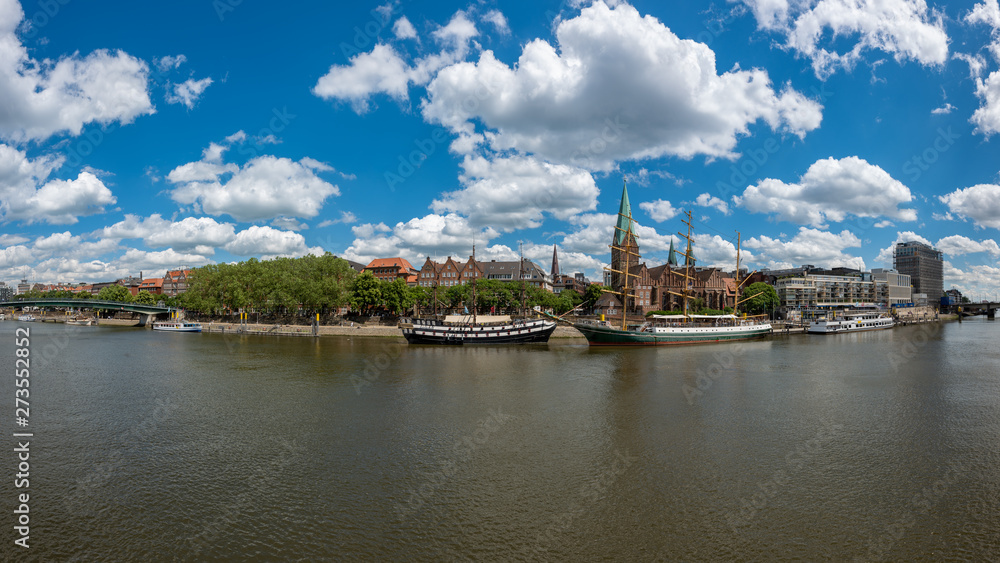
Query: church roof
x=624, y=213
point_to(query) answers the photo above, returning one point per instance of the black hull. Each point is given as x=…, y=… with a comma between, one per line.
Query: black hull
x=509, y=334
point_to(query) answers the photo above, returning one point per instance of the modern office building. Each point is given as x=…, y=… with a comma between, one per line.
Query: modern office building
x=925, y=267
x=892, y=288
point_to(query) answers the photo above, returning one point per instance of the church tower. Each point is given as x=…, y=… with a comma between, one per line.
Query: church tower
x=623, y=241
x=555, y=264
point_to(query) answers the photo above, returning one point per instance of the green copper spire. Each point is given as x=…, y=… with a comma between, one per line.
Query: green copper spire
x=690, y=254
x=672, y=259
x=624, y=213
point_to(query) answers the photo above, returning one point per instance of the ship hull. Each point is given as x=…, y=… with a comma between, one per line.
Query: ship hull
x=606, y=336
x=437, y=333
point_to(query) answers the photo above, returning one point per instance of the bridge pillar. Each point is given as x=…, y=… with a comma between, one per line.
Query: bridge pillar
x=146, y=319
x=991, y=313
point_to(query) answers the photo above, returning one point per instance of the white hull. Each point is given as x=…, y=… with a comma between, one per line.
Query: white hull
x=177, y=327
x=852, y=323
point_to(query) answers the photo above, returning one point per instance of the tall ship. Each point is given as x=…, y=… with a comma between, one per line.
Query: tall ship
x=478, y=329
x=664, y=330
x=851, y=321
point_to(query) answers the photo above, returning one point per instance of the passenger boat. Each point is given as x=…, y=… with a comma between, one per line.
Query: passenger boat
x=464, y=329
x=177, y=326
x=665, y=330
x=851, y=322
x=26, y=318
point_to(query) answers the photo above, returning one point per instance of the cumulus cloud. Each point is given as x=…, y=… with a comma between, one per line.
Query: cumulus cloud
x=808, y=246
x=708, y=200
x=28, y=196
x=599, y=96
x=660, y=210
x=266, y=187
x=981, y=203
x=43, y=98
x=830, y=191
x=905, y=29
x=957, y=245
x=885, y=255
x=188, y=92
x=431, y=235
x=134, y=260
x=199, y=235
x=269, y=243
x=514, y=193
x=403, y=29
x=498, y=20
x=383, y=70
x=987, y=117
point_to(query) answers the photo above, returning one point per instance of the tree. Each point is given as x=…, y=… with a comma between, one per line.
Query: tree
x=367, y=292
x=146, y=298
x=115, y=292
x=396, y=296
x=760, y=298
x=593, y=293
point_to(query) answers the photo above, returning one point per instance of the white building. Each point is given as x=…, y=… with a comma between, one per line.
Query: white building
x=883, y=287
x=894, y=288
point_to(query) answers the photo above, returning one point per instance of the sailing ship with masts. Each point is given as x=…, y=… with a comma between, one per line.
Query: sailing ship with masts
x=664, y=330
x=479, y=329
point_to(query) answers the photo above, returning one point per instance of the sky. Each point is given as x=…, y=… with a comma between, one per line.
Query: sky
x=137, y=137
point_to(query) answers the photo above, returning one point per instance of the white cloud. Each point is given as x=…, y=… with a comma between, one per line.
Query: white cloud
x=599, y=96
x=988, y=13
x=808, y=246
x=904, y=29
x=73, y=270
x=987, y=117
x=58, y=202
x=346, y=217
x=403, y=29
x=830, y=191
x=266, y=187
x=976, y=64
x=11, y=240
x=708, y=200
x=431, y=235
x=269, y=243
x=981, y=203
x=15, y=256
x=660, y=210
x=169, y=62
x=197, y=235
x=135, y=260
x=188, y=92
x=498, y=20
x=514, y=193
x=943, y=110
x=42, y=98
x=976, y=281
x=717, y=252
x=957, y=245
x=383, y=70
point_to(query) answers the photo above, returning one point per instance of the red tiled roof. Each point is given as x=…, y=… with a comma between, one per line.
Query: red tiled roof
x=390, y=263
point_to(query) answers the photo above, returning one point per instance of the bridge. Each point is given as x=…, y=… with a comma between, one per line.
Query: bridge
x=988, y=309
x=146, y=312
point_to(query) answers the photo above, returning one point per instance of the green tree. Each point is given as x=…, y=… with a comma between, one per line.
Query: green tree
x=115, y=292
x=146, y=298
x=593, y=293
x=366, y=292
x=396, y=296
x=760, y=298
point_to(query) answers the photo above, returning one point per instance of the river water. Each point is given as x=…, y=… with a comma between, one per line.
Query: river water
x=206, y=447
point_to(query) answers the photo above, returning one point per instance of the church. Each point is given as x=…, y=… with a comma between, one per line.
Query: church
x=651, y=287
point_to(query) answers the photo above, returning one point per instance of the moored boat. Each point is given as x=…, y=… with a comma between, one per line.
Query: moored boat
x=463, y=329
x=693, y=329
x=851, y=322
x=177, y=326
x=80, y=322
x=27, y=318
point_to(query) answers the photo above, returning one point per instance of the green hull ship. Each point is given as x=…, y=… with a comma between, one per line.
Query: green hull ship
x=689, y=333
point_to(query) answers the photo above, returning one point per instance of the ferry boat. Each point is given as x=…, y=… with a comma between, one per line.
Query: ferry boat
x=177, y=326
x=664, y=330
x=851, y=322
x=464, y=329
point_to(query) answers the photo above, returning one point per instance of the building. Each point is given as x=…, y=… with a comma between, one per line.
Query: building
x=447, y=273
x=925, y=267
x=152, y=285
x=175, y=282
x=576, y=282
x=131, y=283
x=525, y=270
x=23, y=287
x=555, y=264
x=811, y=290
x=391, y=269
x=6, y=292
x=892, y=288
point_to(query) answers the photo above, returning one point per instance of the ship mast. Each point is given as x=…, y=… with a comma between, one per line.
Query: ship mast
x=475, y=278
x=739, y=284
x=520, y=275
x=688, y=262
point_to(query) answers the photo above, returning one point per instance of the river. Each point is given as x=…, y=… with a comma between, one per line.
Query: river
x=207, y=447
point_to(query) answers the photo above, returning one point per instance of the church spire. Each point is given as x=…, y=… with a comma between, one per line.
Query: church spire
x=624, y=214
x=555, y=263
x=672, y=259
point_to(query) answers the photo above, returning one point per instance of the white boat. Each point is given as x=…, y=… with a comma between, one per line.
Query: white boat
x=177, y=326
x=851, y=322
x=26, y=318
x=80, y=322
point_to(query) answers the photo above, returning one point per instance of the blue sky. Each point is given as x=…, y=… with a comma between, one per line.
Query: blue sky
x=136, y=137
